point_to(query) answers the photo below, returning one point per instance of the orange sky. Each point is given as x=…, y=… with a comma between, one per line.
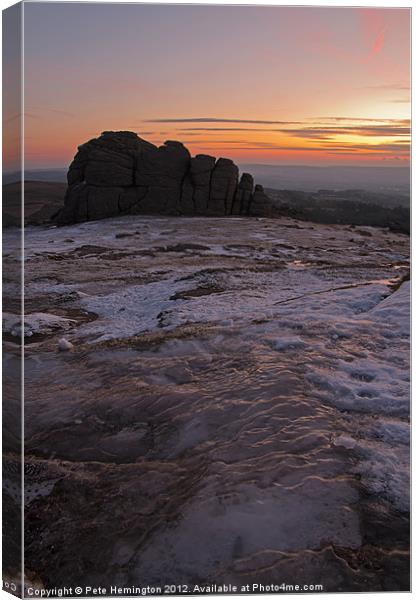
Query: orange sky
x=281, y=85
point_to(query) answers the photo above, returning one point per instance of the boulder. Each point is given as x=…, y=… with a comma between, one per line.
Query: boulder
x=107, y=160
x=186, y=204
x=224, y=180
x=103, y=202
x=121, y=173
x=201, y=169
x=261, y=205
x=243, y=196
x=75, y=205
x=163, y=167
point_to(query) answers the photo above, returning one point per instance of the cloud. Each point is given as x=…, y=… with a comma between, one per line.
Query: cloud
x=225, y=143
x=328, y=132
x=347, y=153
x=378, y=42
x=142, y=132
x=225, y=129
x=362, y=120
x=324, y=134
x=322, y=127
x=13, y=118
x=64, y=113
x=272, y=147
x=216, y=120
x=386, y=86
x=47, y=109
x=374, y=29
x=388, y=147
x=401, y=148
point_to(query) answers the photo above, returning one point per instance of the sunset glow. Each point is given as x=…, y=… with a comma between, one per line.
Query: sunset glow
x=257, y=84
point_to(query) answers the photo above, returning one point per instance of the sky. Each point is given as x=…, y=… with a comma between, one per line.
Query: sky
x=277, y=85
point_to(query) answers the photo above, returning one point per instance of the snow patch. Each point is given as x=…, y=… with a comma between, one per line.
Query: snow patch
x=289, y=343
x=35, y=323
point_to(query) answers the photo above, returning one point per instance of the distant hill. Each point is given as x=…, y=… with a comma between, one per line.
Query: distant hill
x=291, y=177
x=311, y=179
x=381, y=199
x=58, y=175
x=42, y=201
x=349, y=207
x=354, y=195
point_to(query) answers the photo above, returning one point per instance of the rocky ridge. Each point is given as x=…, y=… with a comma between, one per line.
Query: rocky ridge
x=121, y=173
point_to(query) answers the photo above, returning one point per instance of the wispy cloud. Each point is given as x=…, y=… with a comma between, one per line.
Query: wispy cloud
x=361, y=120
x=386, y=86
x=374, y=30
x=378, y=43
x=272, y=147
x=26, y=115
x=48, y=109
x=216, y=120
x=226, y=129
x=388, y=147
x=369, y=154
x=319, y=123
x=142, y=132
x=325, y=147
x=327, y=133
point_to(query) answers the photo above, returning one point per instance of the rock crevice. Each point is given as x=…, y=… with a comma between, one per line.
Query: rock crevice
x=121, y=173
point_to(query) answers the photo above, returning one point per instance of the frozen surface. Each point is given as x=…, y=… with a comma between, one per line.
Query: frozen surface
x=35, y=323
x=235, y=407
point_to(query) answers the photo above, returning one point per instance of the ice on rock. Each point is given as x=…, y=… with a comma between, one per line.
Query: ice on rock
x=268, y=390
x=64, y=345
x=345, y=441
x=35, y=323
x=289, y=343
x=385, y=470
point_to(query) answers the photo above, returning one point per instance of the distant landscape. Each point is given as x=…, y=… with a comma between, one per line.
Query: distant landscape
x=348, y=207
x=392, y=180
x=378, y=196
x=56, y=175
x=306, y=178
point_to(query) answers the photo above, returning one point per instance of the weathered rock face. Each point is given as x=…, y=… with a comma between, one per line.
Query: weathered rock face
x=223, y=187
x=244, y=195
x=120, y=173
x=260, y=205
x=196, y=189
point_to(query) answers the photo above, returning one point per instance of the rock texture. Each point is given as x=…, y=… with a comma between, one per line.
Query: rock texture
x=260, y=204
x=120, y=173
x=244, y=195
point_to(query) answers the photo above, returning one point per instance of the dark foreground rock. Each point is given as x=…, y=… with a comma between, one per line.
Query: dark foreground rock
x=120, y=173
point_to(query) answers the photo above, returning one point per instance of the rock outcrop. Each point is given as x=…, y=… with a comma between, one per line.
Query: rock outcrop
x=120, y=173
x=260, y=205
x=244, y=195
